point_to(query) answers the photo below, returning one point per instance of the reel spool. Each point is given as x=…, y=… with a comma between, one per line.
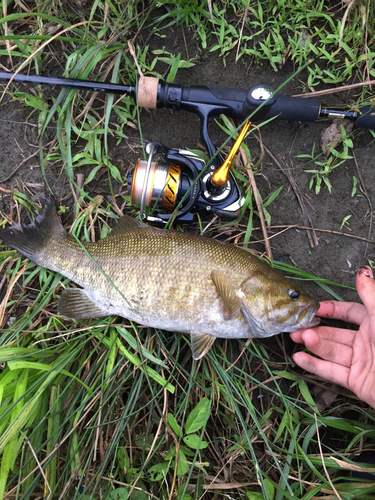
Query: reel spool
x=162, y=184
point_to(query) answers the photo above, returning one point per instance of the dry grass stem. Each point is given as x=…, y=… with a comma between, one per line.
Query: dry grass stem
x=364, y=191
x=242, y=27
x=19, y=166
x=254, y=188
x=39, y=49
x=322, y=457
x=88, y=409
x=8, y=293
x=313, y=240
x=343, y=88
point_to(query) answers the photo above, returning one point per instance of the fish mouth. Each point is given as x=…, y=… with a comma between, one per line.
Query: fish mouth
x=307, y=315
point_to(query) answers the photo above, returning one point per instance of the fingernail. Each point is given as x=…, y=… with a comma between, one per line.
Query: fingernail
x=366, y=270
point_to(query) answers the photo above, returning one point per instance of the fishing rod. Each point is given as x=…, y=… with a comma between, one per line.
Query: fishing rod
x=181, y=174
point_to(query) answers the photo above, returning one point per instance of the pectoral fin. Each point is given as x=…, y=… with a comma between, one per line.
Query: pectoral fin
x=76, y=304
x=201, y=344
x=227, y=293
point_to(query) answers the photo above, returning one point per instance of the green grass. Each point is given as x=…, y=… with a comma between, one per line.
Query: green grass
x=74, y=395
x=105, y=409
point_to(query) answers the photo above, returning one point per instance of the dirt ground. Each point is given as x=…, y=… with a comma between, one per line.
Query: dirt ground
x=336, y=257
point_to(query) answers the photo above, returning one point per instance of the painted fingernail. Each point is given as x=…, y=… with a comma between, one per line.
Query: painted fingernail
x=366, y=270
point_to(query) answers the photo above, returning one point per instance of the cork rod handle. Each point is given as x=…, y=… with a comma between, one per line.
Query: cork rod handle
x=148, y=92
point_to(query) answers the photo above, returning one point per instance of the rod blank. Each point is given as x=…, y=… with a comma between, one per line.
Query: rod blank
x=68, y=82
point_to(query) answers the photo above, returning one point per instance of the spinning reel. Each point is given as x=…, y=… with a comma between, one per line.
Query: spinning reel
x=179, y=179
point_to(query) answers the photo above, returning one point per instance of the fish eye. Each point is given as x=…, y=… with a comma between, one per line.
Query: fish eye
x=293, y=294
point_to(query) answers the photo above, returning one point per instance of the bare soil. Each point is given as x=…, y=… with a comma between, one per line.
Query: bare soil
x=335, y=257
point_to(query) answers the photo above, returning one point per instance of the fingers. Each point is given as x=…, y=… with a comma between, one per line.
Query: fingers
x=328, y=350
x=335, y=335
x=366, y=287
x=334, y=345
x=351, y=312
x=326, y=369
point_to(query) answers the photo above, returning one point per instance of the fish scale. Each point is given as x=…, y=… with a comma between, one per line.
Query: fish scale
x=166, y=279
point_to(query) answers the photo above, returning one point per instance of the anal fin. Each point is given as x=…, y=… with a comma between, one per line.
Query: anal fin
x=76, y=304
x=201, y=344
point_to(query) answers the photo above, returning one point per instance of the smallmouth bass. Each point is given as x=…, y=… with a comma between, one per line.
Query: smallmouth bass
x=165, y=279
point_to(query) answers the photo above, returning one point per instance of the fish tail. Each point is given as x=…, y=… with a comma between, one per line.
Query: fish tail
x=31, y=239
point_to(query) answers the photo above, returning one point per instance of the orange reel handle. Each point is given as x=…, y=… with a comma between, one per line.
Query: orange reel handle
x=221, y=175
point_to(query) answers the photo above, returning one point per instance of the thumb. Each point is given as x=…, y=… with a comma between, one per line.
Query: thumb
x=366, y=287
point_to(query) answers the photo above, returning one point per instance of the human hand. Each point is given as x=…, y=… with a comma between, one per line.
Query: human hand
x=346, y=357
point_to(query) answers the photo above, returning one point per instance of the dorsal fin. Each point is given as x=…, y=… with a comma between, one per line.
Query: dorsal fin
x=126, y=223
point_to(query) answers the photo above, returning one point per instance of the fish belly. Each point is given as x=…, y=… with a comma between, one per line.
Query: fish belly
x=199, y=321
